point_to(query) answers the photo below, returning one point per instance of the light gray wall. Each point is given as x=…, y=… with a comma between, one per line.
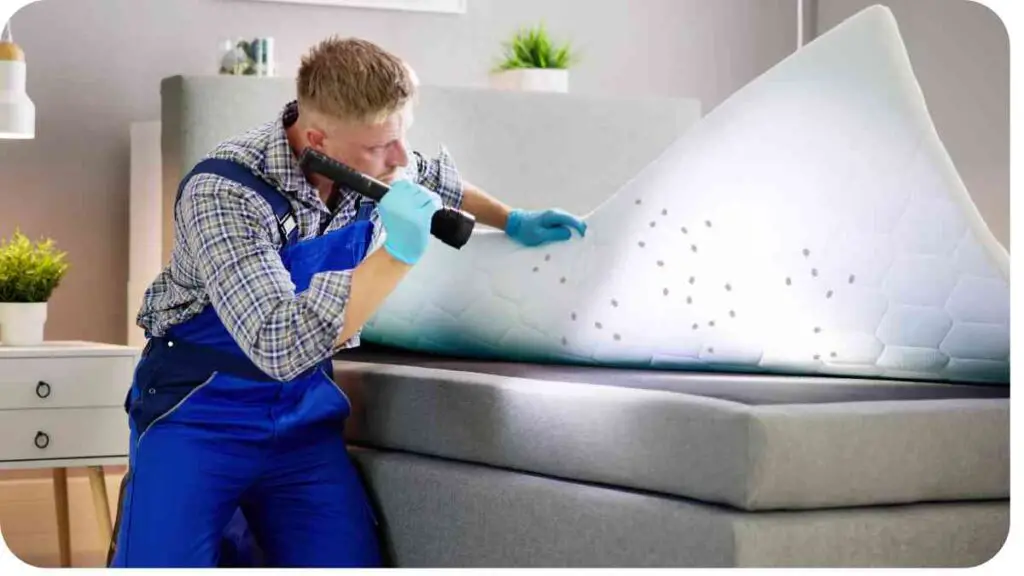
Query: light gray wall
x=95, y=67
x=960, y=53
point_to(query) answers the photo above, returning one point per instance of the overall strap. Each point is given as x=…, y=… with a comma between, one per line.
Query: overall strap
x=365, y=209
x=236, y=172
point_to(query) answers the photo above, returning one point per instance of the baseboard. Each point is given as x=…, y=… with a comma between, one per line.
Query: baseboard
x=28, y=521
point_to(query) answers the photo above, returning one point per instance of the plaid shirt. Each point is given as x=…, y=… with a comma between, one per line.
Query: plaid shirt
x=227, y=253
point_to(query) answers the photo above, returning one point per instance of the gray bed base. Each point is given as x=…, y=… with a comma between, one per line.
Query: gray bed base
x=494, y=464
x=437, y=513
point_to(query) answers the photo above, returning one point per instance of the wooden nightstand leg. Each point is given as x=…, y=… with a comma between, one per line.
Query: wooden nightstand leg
x=98, y=483
x=60, y=499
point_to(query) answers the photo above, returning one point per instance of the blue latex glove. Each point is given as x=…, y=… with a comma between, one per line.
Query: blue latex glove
x=406, y=212
x=542, y=227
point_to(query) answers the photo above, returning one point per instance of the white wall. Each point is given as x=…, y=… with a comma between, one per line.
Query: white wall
x=960, y=53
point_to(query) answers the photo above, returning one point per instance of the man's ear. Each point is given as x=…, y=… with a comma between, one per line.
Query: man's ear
x=315, y=139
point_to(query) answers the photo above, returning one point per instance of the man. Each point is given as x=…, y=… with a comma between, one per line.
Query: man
x=274, y=271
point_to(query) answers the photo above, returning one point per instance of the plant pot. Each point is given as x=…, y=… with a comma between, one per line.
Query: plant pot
x=532, y=80
x=21, y=324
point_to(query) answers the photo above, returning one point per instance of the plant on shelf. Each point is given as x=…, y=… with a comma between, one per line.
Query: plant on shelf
x=29, y=274
x=533, y=61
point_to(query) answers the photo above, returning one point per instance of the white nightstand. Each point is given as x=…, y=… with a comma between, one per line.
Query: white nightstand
x=62, y=406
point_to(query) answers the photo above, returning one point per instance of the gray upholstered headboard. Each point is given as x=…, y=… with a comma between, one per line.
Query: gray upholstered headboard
x=531, y=150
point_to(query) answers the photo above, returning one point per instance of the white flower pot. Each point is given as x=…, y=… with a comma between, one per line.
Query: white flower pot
x=531, y=80
x=21, y=324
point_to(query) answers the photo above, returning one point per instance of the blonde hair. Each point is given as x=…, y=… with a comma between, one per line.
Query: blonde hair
x=353, y=79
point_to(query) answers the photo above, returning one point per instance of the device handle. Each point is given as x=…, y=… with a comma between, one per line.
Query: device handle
x=453, y=227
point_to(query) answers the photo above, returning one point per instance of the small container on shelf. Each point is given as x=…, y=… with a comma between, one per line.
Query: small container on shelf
x=247, y=57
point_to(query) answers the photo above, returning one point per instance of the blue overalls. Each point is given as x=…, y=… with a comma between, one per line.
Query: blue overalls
x=230, y=467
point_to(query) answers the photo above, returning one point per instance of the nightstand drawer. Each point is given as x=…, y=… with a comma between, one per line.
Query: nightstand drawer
x=65, y=382
x=63, y=433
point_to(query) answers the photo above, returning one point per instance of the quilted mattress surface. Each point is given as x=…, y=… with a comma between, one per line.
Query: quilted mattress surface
x=754, y=442
x=813, y=223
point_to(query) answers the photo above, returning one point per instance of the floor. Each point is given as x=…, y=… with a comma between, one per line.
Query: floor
x=28, y=521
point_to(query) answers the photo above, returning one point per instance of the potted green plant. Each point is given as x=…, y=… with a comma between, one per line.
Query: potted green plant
x=29, y=273
x=532, y=61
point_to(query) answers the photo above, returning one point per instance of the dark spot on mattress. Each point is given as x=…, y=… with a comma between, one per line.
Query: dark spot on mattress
x=661, y=262
x=598, y=325
x=665, y=292
x=852, y=278
x=547, y=257
x=693, y=247
x=641, y=243
x=689, y=299
x=685, y=231
x=814, y=272
x=834, y=355
x=638, y=201
x=573, y=315
x=711, y=324
x=829, y=294
x=732, y=313
x=653, y=224
x=565, y=341
x=817, y=356
x=711, y=349
x=693, y=279
x=728, y=287
x=806, y=252
x=562, y=280
x=664, y=212
x=536, y=269
x=789, y=281
x=696, y=326
x=817, y=329
x=707, y=223
x=617, y=337
x=615, y=303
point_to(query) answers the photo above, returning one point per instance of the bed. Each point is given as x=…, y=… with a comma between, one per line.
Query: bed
x=495, y=447
x=489, y=463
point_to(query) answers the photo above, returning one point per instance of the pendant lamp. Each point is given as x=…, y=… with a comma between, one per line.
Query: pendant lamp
x=17, y=112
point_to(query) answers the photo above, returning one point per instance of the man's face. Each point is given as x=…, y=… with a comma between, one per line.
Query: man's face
x=375, y=149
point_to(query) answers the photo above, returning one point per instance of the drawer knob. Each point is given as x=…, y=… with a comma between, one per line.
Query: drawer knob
x=43, y=390
x=42, y=440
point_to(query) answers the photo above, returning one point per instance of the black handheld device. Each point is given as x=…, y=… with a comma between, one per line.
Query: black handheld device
x=453, y=227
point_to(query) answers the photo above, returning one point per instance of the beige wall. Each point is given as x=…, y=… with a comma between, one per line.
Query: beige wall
x=960, y=53
x=71, y=183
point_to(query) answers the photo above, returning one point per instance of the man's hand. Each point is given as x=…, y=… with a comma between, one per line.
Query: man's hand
x=537, y=228
x=529, y=228
x=406, y=212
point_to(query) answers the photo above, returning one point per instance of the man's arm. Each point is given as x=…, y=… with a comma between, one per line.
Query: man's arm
x=372, y=282
x=442, y=176
x=487, y=209
x=529, y=228
x=282, y=332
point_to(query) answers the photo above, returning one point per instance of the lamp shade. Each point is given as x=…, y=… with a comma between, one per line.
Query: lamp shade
x=17, y=112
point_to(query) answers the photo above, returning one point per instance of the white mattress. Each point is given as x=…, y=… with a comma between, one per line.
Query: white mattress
x=812, y=223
